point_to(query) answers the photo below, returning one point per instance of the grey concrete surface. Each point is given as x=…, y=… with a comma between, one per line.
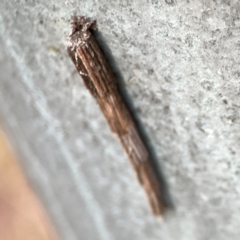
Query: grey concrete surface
x=179, y=61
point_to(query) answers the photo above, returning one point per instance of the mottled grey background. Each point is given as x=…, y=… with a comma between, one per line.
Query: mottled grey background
x=179, y=61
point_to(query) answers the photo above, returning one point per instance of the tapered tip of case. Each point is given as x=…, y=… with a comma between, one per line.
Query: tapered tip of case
x=81, y=30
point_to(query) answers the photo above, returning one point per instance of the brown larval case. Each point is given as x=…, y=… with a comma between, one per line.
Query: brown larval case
x=92, y=66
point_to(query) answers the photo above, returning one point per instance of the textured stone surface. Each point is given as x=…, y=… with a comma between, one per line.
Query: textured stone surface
x=179, y=61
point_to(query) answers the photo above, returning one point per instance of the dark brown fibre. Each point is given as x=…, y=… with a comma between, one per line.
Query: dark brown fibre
x=100, y=81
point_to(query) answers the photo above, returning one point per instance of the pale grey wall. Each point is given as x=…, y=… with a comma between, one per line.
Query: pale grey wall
x=180, y=64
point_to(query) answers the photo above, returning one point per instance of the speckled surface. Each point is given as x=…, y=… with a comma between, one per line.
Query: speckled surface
x=179, y=61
